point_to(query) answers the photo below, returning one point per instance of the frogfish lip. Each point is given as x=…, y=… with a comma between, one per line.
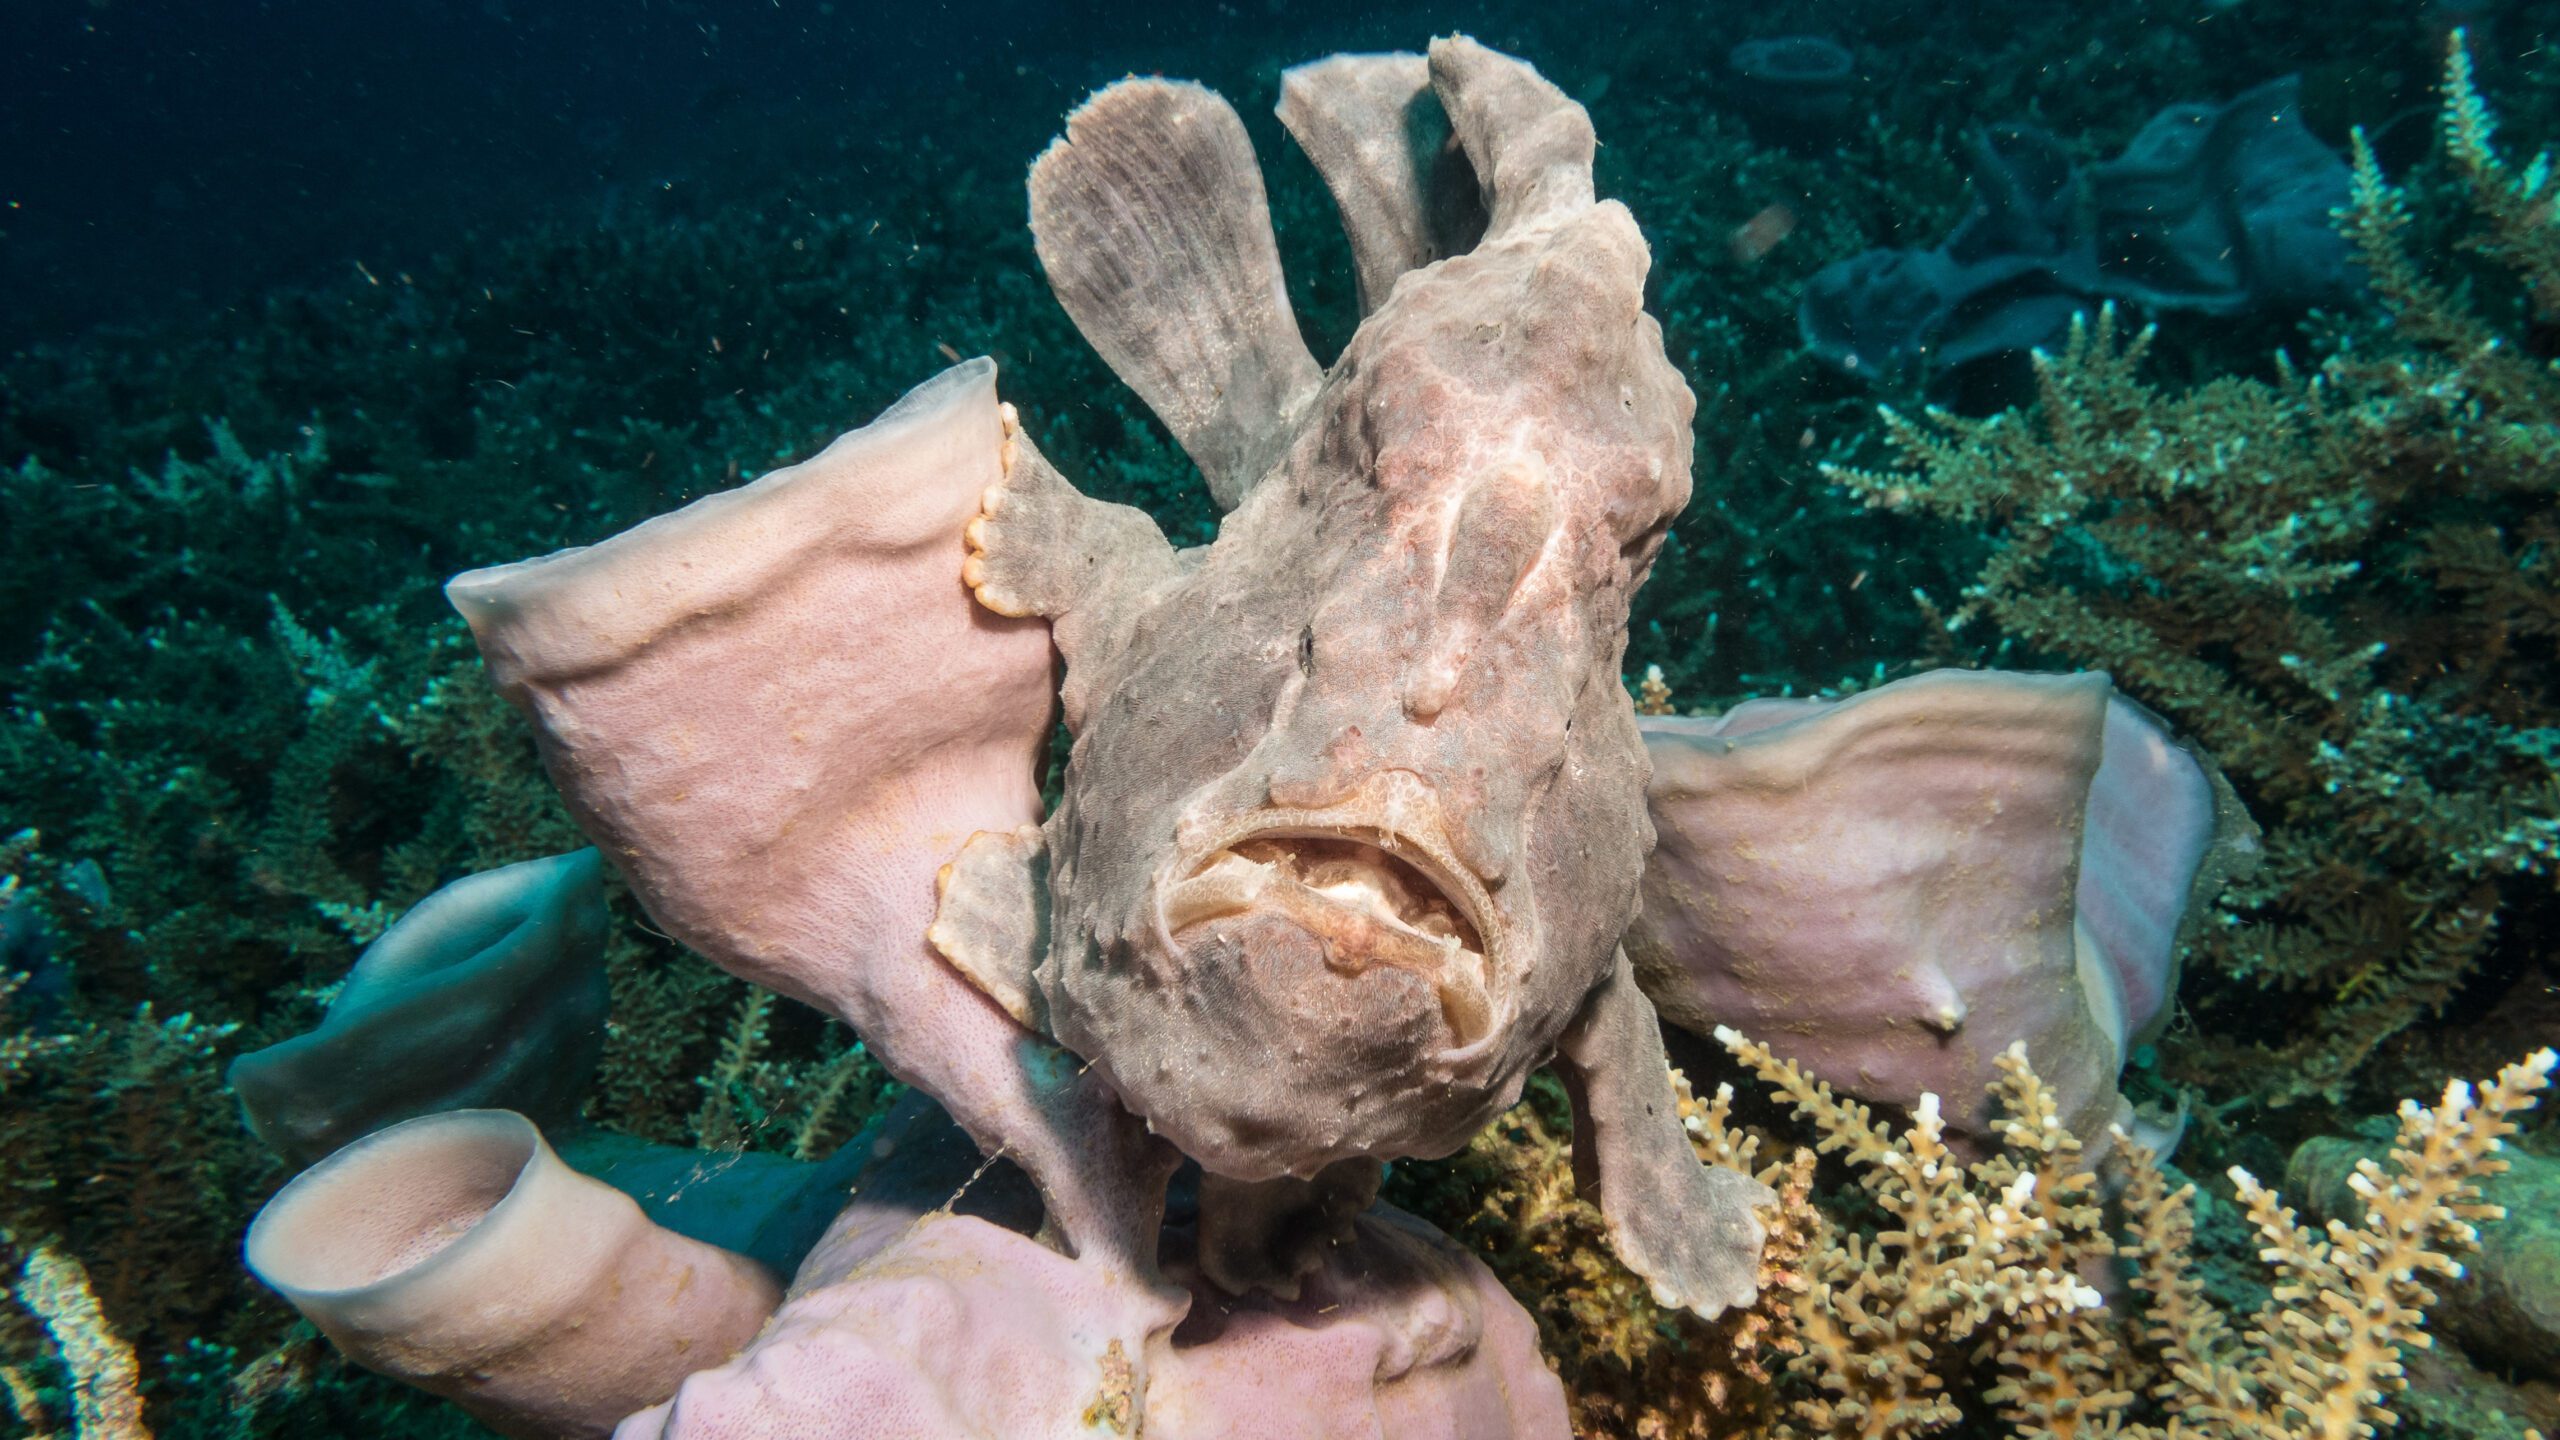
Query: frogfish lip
x=1372, y=893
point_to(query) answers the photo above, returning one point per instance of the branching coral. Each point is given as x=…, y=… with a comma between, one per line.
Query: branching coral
x=1976, y=1260
x=1763, y=583
x=225, y=830
x=1939, y=1292
x=2324, y=1355
x=2340, y=582
x=119, y=1142
x=2518, y=209
x=106, y=1401
x=1975, y=1275
x=805, y=1106
x=222, y=703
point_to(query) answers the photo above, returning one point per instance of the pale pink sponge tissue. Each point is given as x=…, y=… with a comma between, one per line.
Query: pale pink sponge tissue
x=1353, y=835
x=1892, y=889
x=458, y=1253
x=1398, y=1334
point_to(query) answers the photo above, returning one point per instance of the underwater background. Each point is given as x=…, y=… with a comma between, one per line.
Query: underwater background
x=308, y=307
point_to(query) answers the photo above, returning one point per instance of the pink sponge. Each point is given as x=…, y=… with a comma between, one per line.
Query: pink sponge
x=457, y=1252
x=1895, y=887
x=957, y=1327
x=1399, y=1333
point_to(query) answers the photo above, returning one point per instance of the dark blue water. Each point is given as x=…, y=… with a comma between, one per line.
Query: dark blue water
x=157, y=154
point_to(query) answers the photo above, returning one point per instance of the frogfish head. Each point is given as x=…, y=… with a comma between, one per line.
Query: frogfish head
x=1361, y=822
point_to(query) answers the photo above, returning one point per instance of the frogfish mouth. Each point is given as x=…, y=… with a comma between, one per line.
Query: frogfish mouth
x=1365, y=892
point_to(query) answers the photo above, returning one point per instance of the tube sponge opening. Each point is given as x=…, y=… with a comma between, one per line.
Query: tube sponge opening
x=458, y=1253
x=366, y=1219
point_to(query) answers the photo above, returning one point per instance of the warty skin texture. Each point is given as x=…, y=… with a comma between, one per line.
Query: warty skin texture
x=1355, y=812
x=1409, y=635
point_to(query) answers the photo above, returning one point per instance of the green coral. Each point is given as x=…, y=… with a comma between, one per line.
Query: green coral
x=2340, y=581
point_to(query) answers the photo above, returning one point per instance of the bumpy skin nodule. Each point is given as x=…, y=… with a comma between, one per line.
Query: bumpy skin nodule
x=1355, y=814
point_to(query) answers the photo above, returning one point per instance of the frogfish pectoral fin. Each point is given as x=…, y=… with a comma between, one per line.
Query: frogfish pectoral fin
x=1686, y=1226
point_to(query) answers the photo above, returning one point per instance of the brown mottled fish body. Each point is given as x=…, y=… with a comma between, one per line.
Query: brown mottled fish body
x=1355, y=815
x=1353, y=824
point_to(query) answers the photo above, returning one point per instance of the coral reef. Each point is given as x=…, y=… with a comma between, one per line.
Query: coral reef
x=1631, y=1367
x=2338, y=580
x=1936, y=1291
x=248, y=793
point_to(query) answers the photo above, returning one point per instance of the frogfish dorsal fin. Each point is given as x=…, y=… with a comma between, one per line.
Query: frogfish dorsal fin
x=1376, y=133
x=1530, y=143
x=1150, y=218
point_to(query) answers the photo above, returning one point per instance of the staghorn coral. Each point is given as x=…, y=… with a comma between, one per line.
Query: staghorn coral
x=1985, y=1259
x=1935, y=1293
x=764, y=1090
x=1973, y=1278
x=2325, y=1354
x=2503, y=1309
x=2338, y=580
x=2517, y=209
x=106, y=1401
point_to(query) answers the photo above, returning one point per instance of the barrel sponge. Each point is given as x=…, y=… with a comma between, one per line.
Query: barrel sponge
x=488, y=994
